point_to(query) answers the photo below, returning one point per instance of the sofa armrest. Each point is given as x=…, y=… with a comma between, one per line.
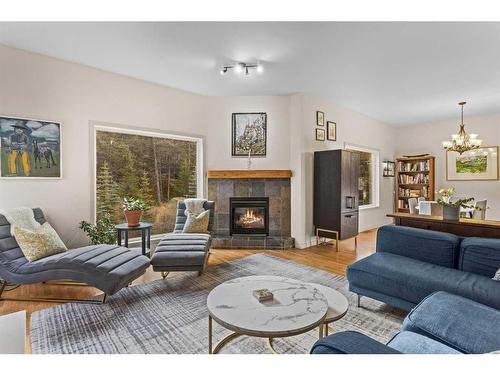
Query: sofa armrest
x=350, y=342
x=425, y=245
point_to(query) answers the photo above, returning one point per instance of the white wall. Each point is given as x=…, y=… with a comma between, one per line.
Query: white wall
x=427, y=138
x=45, y=88
x=218, y=142
x=353, y=128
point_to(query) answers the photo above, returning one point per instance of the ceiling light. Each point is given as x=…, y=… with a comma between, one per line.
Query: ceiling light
x=462, y=141
x=238, y=68
x=242, y=67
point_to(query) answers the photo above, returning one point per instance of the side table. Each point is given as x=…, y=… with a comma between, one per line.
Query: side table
x=145, y=229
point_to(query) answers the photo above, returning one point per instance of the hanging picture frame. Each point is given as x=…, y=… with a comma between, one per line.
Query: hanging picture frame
x=476, y=165
x=249, y=134
x=320, y=118
x=320, y=134
x=331, y=131
x=30, y=148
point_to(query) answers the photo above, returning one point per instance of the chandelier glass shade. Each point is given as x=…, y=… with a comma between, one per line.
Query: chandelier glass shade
x=462, y=141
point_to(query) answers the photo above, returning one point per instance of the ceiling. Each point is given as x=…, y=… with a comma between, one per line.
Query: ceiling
x=399, y=73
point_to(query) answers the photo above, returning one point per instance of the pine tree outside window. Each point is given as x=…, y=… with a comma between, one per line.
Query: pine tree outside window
x=157, y=167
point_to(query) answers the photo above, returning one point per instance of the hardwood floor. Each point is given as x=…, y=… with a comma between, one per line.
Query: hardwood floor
x=323, y=257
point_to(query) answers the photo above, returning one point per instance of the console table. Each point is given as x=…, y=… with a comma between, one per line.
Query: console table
x=463, y=227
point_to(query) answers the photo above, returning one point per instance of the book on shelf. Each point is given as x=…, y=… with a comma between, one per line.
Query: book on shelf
x=419, y=178
x=420, y=166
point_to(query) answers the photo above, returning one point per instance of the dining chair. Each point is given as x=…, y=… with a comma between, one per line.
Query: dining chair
x=421, y=199
x=480, y=210
x=412, y=205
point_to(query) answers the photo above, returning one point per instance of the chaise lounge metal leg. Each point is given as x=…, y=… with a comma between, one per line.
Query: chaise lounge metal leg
x=164, y=274
x=52, y=300
x=358, y=300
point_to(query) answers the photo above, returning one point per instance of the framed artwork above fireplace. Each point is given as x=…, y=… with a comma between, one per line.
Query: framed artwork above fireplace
x=249, y=134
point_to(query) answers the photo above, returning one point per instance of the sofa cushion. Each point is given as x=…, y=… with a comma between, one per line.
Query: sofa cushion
x=39, y=243
x=458, y=322
x=480, y=255
x=412, y=343
x=350, y=342
x=412, y=280
x=428, y=246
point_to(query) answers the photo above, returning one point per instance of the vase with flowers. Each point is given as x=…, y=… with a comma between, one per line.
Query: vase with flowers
x=451, y=209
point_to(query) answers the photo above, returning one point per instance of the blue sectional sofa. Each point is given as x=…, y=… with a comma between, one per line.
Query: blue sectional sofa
x=410, y=264
x=446, y=282
x=442, y=323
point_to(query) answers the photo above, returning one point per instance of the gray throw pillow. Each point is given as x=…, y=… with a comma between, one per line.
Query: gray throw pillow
x=497, y=275
x=197, y=223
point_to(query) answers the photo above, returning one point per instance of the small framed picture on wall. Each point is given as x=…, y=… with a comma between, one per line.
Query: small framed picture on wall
x=320, y=134
x=331, y=131
x=320, y=118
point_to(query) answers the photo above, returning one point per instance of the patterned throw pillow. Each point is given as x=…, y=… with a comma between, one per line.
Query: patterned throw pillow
x=40, y=243
x=197, y=224
x=497, y=275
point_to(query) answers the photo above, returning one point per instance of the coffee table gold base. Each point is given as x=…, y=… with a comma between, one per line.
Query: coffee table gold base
x=323, y=327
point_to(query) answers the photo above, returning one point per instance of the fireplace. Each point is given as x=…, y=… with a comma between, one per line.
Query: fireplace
x=249, y=216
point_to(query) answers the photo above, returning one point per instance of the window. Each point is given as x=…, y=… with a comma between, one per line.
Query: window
x=368, y=183
x=159, y=168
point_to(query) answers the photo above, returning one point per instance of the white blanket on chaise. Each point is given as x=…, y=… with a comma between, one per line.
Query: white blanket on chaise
x=21, y=217
x=194, y=206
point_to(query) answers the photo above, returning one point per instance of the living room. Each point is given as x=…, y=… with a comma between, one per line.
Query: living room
x=250, y=188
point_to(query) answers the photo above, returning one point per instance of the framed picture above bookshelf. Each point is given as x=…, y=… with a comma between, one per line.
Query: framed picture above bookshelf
x=414, y=179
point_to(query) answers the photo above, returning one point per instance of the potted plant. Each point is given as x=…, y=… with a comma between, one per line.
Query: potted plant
x=133, y=209
x=451, y=210
x=103, y=232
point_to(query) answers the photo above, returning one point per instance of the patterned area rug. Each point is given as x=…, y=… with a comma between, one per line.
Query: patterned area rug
x=170, y=316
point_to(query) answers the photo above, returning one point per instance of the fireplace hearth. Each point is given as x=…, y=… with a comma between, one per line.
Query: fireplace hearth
x=249, y=216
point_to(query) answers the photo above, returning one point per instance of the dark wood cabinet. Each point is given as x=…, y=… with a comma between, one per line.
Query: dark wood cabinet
x=336, y=203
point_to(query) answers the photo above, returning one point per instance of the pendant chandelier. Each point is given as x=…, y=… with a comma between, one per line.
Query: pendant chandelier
x=462, y=141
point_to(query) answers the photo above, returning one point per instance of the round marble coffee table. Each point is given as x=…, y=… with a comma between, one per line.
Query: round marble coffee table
x=297, y=307
x=338, y=305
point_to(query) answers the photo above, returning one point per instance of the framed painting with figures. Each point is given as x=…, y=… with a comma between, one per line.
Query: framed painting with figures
x=30, y=148
x=249, y=134
x=475, y=165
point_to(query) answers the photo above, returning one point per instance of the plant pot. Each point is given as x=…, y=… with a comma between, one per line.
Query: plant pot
x=133, y=217
x=451, y=213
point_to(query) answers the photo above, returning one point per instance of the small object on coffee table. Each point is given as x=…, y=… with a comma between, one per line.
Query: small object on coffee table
x=263, y=295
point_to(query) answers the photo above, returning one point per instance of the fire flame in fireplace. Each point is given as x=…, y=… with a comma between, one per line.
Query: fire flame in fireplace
x=250, y=219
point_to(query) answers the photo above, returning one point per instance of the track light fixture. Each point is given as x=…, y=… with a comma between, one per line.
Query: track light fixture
x=242, y=67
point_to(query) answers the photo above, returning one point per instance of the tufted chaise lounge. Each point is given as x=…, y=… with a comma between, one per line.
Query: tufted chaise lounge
x=179, y=251
x=108, y=268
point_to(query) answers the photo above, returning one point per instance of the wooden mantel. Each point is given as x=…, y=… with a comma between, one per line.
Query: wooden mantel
x=249, y=173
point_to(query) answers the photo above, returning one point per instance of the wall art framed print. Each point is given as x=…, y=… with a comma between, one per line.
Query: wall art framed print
x=320, y=118
x=249, y=134
x=320, y=134
x=30, y=148
x=475, y=165
x=331, y=131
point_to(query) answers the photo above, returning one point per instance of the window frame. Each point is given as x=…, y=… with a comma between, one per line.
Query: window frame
x=375, y=173
x=111, y=128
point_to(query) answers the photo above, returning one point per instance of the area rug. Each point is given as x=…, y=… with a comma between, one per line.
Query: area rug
x=170, y=316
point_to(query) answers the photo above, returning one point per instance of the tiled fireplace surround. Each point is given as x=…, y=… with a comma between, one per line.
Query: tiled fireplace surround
x=220, y=189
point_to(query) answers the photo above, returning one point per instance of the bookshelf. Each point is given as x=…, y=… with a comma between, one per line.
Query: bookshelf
x=414, y=179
